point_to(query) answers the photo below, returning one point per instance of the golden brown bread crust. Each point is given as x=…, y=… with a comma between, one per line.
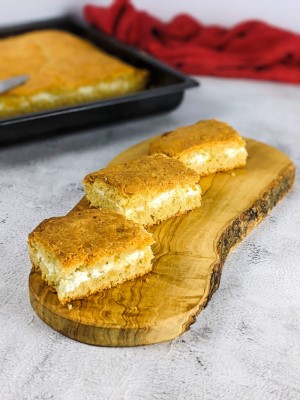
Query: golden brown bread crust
x=201, y=135
x=86, y=236
x=146, y=175
x=57, y=62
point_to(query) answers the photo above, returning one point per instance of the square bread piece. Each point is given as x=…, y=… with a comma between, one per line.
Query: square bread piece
x=64, y=70
x=207, y=146
x=147, y=190
x=87, y=251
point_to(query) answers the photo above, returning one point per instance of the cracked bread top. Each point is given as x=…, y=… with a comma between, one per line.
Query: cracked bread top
x=144, y=176
x=84, y=237
x=201, y=135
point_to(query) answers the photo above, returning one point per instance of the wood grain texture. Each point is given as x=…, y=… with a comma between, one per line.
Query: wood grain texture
x=189, y=254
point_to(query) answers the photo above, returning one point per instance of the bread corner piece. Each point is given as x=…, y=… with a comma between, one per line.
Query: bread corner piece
x=147, y=190
x=207, y=146
x=87, y=251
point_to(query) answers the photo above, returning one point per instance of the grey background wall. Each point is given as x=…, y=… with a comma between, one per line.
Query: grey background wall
x=283, y=13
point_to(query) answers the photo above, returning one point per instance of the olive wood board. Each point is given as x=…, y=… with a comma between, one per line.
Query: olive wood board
x=190, y=251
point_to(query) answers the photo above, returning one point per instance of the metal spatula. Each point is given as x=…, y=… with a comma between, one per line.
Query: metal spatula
x=11, y=83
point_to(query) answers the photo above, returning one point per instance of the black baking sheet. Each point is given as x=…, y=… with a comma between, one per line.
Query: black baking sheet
x=164, y=92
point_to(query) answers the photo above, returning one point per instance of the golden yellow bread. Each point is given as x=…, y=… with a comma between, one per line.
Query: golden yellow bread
x=147, y=190
x=64, y=70
x=88, y=251
x=207, y=146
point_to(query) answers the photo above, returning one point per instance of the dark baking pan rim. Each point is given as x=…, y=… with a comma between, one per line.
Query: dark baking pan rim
x=165, y=94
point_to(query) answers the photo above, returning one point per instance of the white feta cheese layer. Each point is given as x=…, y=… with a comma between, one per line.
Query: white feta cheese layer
x=196, y=159
x=68, y=283
x=108, y=87
x=233, y=152
x=161, y=199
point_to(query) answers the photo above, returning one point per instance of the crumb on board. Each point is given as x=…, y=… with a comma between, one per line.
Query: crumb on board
x=70, y=307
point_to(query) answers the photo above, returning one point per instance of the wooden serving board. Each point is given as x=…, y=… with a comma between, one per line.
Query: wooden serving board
x=189, y=254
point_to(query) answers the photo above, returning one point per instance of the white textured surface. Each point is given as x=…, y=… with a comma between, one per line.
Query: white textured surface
x=246, y=343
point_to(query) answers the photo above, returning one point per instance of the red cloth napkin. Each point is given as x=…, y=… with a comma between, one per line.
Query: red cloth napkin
x=250, y=49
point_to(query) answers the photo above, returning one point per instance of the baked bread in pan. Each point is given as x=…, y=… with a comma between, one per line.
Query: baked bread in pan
x=64, y=70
